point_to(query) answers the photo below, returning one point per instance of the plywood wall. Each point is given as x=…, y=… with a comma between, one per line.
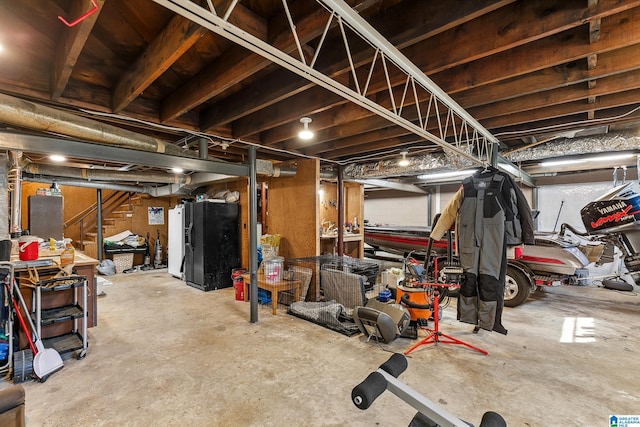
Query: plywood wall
x=293, y=210
x=353, y=203
x=328, y=205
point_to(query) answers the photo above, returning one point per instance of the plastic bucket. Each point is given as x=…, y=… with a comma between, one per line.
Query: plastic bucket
x=273, y=269
x=237, y=272
x=28, y=248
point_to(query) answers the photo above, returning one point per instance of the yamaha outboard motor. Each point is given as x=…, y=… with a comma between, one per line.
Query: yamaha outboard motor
x=617, y=214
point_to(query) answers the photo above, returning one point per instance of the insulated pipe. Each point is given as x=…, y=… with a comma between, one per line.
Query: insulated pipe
x=90, y=184
x=97, y=174
x=16, y=193
x=20, y=113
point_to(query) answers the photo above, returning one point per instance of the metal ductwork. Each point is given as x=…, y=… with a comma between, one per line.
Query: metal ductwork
x=28, y=115
x=436, y=163
x=104, y=175
x=88, y=184
x=418, y=164
x=577, y=146
x=197, y=180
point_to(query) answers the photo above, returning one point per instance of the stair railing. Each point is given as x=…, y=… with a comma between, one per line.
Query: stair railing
x=88, y=217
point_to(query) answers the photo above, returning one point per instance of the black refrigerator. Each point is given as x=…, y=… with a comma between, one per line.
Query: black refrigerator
x=212, y=244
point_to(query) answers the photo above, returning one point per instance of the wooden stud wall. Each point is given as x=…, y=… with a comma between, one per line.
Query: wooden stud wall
x=353, y=206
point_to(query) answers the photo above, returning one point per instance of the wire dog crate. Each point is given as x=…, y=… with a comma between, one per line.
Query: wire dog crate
x=339, y=284
x=366, y=268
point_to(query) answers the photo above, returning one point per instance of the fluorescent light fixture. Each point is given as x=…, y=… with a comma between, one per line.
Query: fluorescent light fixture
x=403, y=161
x=305, y=133
x=610, y=158
x=177, y=170
x=57, y=158
x=451, y=174
x=1, y=48
x=562, y=162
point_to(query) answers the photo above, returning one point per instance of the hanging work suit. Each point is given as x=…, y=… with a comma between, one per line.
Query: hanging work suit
x=490, y=213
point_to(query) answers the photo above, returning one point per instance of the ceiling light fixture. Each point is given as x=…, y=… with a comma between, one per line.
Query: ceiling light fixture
x=177, y=170
x=57, y=158
x=305, y=133
x=451, y=174
x=403, y=161
x=608, y=158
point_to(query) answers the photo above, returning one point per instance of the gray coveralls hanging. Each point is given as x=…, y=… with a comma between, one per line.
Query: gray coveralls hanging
x=490, y=213
x=482, y=249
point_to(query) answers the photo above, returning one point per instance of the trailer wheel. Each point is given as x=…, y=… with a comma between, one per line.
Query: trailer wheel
x=516, y=287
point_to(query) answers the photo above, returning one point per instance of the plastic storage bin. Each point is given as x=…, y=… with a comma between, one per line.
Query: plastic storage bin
x=273, y=269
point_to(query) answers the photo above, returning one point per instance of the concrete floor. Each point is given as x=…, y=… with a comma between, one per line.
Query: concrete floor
x=166, y=354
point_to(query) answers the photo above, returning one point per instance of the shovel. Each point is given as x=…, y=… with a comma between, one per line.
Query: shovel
x=45, y=360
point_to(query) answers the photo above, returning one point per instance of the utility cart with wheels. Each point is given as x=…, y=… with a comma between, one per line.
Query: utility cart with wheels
x=60, y=304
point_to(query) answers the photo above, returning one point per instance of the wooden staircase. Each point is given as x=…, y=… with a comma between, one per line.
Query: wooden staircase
x=117, y=217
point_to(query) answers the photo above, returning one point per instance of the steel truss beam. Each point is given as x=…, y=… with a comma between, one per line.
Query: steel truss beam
x=456, y=131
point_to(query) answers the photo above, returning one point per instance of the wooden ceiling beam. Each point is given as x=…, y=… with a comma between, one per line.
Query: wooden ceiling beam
x=397, y=143
x=503, y=65
x=304, y=104
x=618, y=31
x=609, y=85
x=71, y=43
x=172, y=42
x=609, y=63
x=628, y=98
x=611, y=117
x=355, y=127
x=387, y=134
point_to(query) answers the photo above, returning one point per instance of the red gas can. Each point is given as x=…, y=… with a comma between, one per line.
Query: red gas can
x=238, y=285
x=238, y=282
